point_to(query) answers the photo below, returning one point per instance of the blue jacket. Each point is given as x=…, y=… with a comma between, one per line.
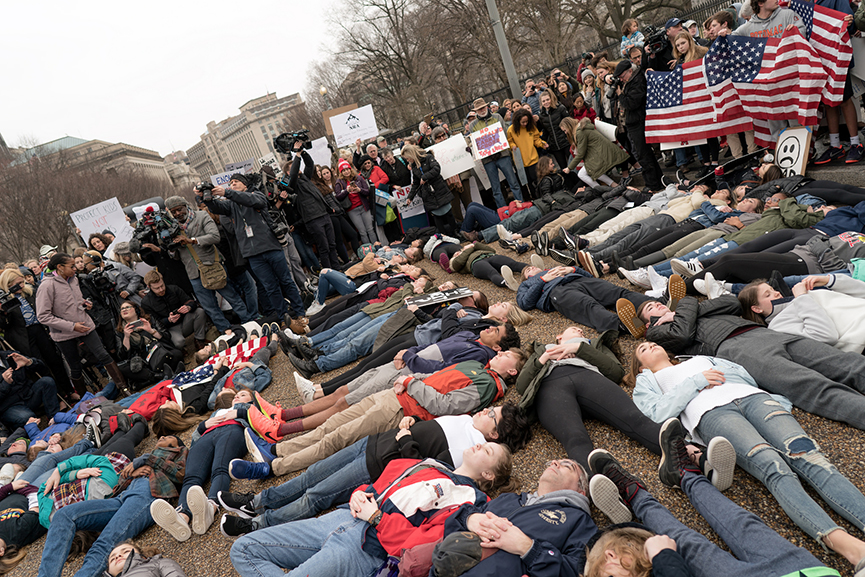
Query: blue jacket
x=709, y=215
x=256, y=379
x=431, y=332
x=461, y=347
x=535, y=292
x=841, y=220
x=560, y=532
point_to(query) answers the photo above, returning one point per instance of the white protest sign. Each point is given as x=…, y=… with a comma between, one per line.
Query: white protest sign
x=489, y=140
x=791, y=152
x=407, y=209
x=108, y=214
x=319, y=152
x=140, y=210
x=270, y=160
x=222, y=179
x=241, y=167
x=358, y=123
x=452, y=156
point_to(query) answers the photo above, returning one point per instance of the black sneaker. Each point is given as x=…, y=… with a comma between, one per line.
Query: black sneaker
x=541, y=242
x=675, y=461
x=601, y=462
x=235, y=527
x=93, y=434
x=666, y=181
x=307, y=351
x=563, y=256
x=522, y=247
x=511, y=244
x=240, y=503
x=570, y=240
x=682, y=175
x=619, y=262
x=305, y=367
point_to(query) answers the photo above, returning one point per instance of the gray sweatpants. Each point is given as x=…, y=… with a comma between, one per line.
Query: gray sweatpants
x=374, y=381
x=816, y=377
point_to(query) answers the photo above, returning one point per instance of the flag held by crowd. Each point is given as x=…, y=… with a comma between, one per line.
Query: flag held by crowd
x=827, y=31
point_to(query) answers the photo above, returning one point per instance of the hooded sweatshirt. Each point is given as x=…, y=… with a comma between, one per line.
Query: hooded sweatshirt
x=771, y=27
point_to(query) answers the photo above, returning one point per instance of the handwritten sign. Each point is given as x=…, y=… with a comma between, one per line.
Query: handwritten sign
x=270, y=160
x=358, y=123
x=452, y=156
x=489, y=140
x=241, y=167
x=109, y=215
x=407, y=208
x=440, y=297
x=791, y=152
x=320, y=153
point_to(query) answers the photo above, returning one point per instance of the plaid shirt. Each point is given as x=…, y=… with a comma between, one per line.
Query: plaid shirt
x=76, y=491
x=169, y=468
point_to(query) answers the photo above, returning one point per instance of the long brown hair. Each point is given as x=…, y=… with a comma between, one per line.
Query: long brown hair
x=546, y=165
x=168, y=420
x=694, y=52
x=772, y=173
x=520, y=114
x=748, y=298
x=121, y=323
x=637, y=366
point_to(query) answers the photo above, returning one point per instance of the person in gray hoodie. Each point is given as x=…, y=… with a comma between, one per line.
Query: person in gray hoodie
x=769, y=20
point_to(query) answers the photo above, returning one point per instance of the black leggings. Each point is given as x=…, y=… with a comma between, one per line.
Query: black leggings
x=711, y=150
x=663, y=238
x=490, y=268
x=447, y=248
x=379, y=357
x=743, y=268
x=445, y=223
x=569, y=395
x=593, y=221
x=541, y=223
x=777, y=242
x=344, y=231
x=834, y=192
x=125, y=443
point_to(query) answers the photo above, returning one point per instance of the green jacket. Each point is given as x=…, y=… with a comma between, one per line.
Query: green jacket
x=598, y=154
x=788, y=215
x=597, y=353
x=463, y=262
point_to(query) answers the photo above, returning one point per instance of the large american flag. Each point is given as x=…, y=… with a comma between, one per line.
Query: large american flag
x=826, y=30
x=679, y=107
x=765, y=79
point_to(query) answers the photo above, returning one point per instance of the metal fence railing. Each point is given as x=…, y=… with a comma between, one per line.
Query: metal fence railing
x=455, y=117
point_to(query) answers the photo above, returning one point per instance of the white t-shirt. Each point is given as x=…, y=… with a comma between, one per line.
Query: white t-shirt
x=707, y=399
x=460, y=434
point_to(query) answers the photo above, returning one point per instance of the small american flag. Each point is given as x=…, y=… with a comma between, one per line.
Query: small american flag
x=765, y=79
x=679, y=107
x=826, y=30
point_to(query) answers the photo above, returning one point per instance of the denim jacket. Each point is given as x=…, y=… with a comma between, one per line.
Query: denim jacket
x=256, y=379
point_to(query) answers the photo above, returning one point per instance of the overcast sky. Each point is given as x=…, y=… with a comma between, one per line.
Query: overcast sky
x=153, y=73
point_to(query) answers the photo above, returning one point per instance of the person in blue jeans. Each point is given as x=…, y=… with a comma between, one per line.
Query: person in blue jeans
x=215, y=443
x=123, y=516
x=671, y=548
x=718, y=398
x=247, y=210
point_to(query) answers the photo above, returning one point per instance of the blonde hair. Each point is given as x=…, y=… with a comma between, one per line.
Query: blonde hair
x=413, y=153
x=518, y=317
x=628, y=543
x=694, y=52
x=9, y=275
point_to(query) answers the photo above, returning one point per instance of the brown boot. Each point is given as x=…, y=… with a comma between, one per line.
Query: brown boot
x=118, y=378
x=79, y=385
x=200, y=344
x=298, y=327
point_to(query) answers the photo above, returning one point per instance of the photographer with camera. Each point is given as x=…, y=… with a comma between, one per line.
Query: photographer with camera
x=197, y=250
x=311, y=206
x=247, y=209
x=629, y=82
x=174, y=310
x=23, y=391
x=280, y=210
x=145, y=242
x=61, y=307
x=99, y=291
x=659, y=46
x=532, y=97
x=127, y=282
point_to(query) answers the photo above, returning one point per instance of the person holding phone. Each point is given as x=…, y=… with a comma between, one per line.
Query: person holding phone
x=147, y=346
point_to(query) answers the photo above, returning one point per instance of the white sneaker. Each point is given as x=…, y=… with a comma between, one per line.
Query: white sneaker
x=169, y=519
x=638, y=277
x=510, y=281
x=715, y=288
x=700, y=286
x=537, y=261
x=288, y=332
x=722, y=458
x=305, y=388
x=202, y=509
x=686, y=269
x=504, y=233
x=315, y=308
x=658, y=281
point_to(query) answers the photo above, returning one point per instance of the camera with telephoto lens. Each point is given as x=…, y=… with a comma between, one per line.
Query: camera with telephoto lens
x=8, y=301
x=159, y=228
x=100, y=281
x=284, y=143
x=206, y=190
x=655, y=39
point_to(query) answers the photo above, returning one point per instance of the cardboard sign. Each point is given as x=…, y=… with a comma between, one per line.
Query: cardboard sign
x=489, y=140
x=270, y=160
x=222, y=179
x=241, y=167
x=328, y=114
x=791, y=153
x=440, y=297
x=358, y=123
x=407, y=209
x=452, y=156
x=108, y=214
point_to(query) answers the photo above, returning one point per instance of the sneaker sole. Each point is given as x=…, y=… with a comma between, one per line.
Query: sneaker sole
x=628, y=276
x=254, y=450
x=677, y=290
x=545, y=244
x=537, y=261
x=240, y=512
x=197, y=502
x=722, y=456
x=166, y=517
x=628, y=315
x=681, y=269
x=510, y=281
x=588, y=263
x=567, y=239
x=665, y=427
x=605, y=496
x=557, y=256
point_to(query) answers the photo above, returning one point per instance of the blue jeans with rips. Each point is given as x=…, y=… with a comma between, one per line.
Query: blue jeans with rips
x=326, y=483
x=118, y=519
x=45, y=463
x=329, y=545
x=771, y=445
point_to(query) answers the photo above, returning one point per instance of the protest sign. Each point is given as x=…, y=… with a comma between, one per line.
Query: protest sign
x=222, y=179
x=241, y=167
x=328, y=114
x=452, y=156
x=489, y=140
x=439, y=297
x=319, y=152
x=109, y=215
x=407, y=208
x=358, y=123
x=270, y=160
x=791, y=153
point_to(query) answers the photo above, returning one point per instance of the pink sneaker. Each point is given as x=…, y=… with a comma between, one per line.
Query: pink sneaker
x=444, y=262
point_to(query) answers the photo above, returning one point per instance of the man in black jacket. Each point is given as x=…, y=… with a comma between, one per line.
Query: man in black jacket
x=332, y=480
x=816, y=377
x=173, y=308
x=632, y=98
x=23, y=391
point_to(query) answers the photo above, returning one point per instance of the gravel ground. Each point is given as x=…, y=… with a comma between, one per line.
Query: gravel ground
x=843, y=445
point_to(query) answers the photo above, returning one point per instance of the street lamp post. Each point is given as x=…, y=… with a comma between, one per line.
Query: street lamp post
x=323, y=92
x=504, y=50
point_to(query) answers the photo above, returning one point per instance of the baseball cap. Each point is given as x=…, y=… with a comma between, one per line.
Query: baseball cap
x=672, y=22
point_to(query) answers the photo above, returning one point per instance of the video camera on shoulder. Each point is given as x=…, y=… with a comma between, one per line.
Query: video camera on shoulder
x=159, y=228
x=284, y=143
x=8, y=302
x=655, y=39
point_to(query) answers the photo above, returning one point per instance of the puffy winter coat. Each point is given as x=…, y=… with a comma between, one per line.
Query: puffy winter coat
x=434, y=191
x=548, y=121
x=598, y=154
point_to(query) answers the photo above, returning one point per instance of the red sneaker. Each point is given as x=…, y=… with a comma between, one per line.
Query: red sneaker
x=264, y=426
x=268, y=409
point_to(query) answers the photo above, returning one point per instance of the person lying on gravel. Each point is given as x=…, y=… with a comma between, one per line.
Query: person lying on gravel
x=330, y=481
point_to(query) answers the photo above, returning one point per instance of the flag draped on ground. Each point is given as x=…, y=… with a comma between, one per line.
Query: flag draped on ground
x=826, y=30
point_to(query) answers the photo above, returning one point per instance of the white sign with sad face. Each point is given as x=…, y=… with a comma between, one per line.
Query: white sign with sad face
x=791, y=154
